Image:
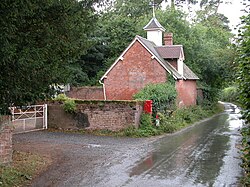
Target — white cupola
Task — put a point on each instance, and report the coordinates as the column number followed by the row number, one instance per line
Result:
column 155, row 31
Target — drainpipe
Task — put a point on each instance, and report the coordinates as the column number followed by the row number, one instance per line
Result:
column 104, row 91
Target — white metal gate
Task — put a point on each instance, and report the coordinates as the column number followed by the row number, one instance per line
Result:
column 29, row 118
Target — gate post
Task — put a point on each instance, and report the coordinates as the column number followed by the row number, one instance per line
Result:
column 45, row 110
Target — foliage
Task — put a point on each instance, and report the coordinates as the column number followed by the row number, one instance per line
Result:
column 167, row 125
column 132, row 9
column 163, row 96
column 207, row 47
column 179, row 119
column 117, row 32
column 146, row 120
column 54, row 42
column 170, row 123
column 39, row 42
column 244, row 67
column 245, row 154
column 244, row 91
column 87, row 69
column 61, row 98
column 69, row 106
column 229, row 94
column 146, row 128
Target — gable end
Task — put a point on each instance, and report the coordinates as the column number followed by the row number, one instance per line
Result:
column 137, row 38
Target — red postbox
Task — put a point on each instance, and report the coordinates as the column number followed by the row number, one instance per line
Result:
column 148, row 106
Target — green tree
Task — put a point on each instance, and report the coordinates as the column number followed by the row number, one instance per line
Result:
column 115, row 29
column 206, row 42
column 244, row 66
column 38, row 43
column 207, row 47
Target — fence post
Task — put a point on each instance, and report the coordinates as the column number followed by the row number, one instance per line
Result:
column 45, row 116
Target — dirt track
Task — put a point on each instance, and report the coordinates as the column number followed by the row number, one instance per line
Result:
column 82, row 160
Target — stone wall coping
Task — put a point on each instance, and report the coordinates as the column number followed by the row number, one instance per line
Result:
column 80, row 101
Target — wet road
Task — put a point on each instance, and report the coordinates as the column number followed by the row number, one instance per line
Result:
column 205, row 154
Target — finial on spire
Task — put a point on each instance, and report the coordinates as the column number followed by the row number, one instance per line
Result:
column 153, row 4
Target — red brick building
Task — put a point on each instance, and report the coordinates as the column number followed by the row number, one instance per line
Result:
column 147, row 61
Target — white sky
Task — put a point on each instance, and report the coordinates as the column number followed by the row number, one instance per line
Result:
column 232, row 11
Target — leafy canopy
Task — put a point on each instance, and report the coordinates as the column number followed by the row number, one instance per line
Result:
column 244, row 66
column 38, row 43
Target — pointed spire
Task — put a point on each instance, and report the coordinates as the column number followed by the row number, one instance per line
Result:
column 154, row 31
column 154, row 25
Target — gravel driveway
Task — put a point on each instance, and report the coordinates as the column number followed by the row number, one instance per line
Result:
column 83, row 160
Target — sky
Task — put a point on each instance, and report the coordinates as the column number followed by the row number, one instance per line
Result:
column 232, row 11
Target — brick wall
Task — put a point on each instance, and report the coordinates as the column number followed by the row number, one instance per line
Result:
column 131, row 74
column 187, row 92
column 5, row 142
column 111, row 115
column 86, row 93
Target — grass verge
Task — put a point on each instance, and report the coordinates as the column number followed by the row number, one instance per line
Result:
column 173, row 122
column 23, row 169
column 169, row 123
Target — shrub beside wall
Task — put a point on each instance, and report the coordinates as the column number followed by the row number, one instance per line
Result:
column 93, row 115
column 163, row 96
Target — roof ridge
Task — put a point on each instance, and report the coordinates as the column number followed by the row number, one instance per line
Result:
column 140, row 37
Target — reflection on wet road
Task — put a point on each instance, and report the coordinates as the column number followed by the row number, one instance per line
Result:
column 204, row 155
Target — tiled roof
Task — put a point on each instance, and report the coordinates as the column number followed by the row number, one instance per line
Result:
column 188, row 74
column 152, row 47
column 166, row 52
column 170, row 51
column 154, row 24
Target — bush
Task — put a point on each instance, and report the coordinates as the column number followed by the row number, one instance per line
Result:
column 167, row 125
column 180, row 118
column 69, row 106
column 245, row 152
column 230, row 94
column 163, row 96
column 147, row 127
column 61, row 98
column 146, row 120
